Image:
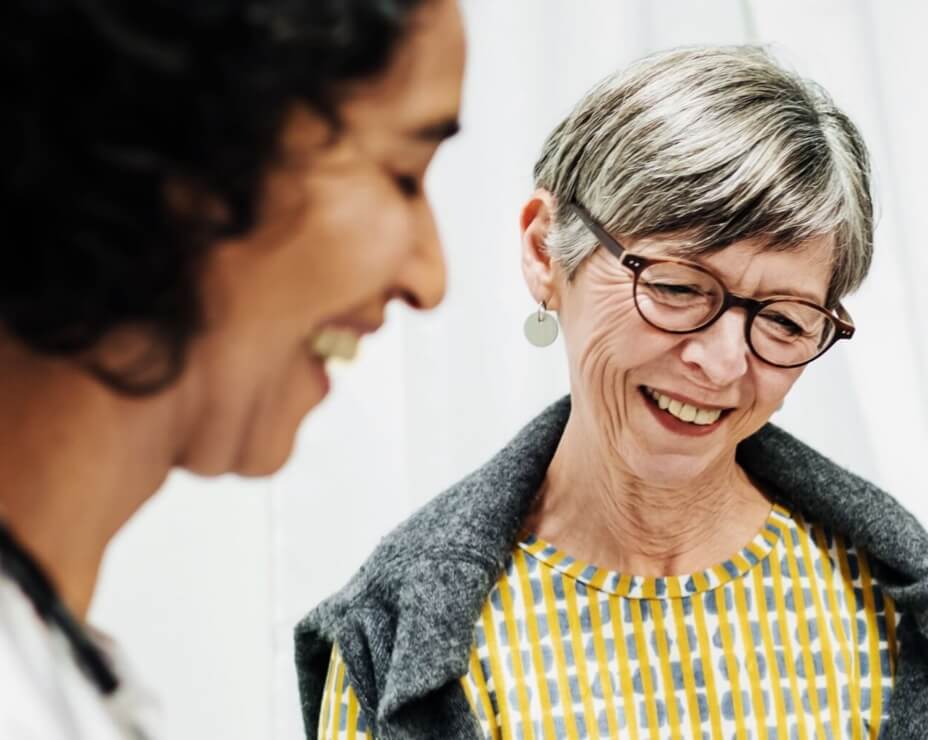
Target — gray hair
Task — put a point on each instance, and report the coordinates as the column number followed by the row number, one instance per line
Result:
column 717, row 145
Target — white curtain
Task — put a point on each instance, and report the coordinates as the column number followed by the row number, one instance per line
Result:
column 210, row 615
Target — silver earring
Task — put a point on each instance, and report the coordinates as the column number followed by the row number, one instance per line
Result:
column 541, row 327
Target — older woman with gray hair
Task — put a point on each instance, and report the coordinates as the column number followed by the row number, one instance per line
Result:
column 650, row 558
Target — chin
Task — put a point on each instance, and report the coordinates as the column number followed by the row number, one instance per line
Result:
column 265, row 457
column 254, row 454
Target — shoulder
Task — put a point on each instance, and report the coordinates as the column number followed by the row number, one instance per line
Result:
column 46, row 696
column 810, row 483
column 472, row 523
column 33, row 703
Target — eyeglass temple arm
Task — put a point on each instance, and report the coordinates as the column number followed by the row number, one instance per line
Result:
column 605, row 238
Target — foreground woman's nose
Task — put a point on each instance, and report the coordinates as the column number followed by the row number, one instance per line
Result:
column 721, row 351
column 422, row 280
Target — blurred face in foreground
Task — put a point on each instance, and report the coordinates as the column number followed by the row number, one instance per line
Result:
column 345, row 228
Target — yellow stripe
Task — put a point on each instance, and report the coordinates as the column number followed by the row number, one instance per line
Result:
column 536, row 548
column 557, row 643
column 574, row 569
column 846, row 649
column 351, row 725
column 702, row 583
column 770, row 537
column 657, row 609
column 621, row 656
column 686, row 665
column 891, row 632
column 830, row 678
column 583, row 679
column 776, row 690
column 599, row 579
column 327, row 694
column 800, row 604
column 476, row 673
column 851, row 599
column 531, row 624
column 469, row 695
column 602, row 660
column 337, row 698
column 708, row 665
column 786, row 638
column 496, row 670
column 729, row 651
column 873, row 641
column 750, row 651
column 644, row 667
column 625, row 583
column 515, row 655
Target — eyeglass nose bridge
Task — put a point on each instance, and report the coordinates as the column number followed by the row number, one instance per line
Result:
column 751, row 307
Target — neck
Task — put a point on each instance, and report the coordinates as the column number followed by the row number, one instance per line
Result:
column 76, row 461
column 594, row 508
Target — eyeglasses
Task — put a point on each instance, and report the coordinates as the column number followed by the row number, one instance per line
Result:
column 681, row 298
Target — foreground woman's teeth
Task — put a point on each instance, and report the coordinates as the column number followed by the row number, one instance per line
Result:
column 685, row 411
column 336, row 344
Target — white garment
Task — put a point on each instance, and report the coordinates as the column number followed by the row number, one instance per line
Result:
column 43, row 693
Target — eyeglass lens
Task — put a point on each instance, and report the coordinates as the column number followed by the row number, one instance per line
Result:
column 679, row 298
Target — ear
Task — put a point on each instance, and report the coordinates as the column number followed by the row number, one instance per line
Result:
column 538, row 268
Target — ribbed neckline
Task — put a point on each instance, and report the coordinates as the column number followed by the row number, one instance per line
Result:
column 647, row 587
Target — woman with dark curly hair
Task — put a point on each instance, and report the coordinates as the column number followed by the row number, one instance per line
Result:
column 202, row 203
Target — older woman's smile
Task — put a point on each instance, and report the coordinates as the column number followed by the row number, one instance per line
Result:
column 682, row 415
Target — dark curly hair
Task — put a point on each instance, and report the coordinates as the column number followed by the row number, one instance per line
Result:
column 105, row 103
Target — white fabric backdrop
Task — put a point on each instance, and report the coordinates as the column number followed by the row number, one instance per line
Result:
column 206, row 584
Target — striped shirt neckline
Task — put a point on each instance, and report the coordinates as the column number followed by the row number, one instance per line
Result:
column 662, row 587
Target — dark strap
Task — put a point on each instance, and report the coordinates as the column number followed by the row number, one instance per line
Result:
column 16, row 563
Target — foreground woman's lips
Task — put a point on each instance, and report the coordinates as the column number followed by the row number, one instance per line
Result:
column 684, row 411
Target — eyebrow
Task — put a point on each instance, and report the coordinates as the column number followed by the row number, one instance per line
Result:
column 437, row 131
column 681, row 254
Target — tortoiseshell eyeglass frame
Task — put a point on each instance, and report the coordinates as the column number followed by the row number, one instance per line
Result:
column 841, row 320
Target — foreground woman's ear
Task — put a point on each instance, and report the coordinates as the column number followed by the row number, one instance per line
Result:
column 536, row 221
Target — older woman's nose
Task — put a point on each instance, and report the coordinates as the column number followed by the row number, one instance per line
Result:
column 422, row 279
column 720, row 352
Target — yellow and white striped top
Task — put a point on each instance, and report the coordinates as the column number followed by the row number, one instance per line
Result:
column 790, row 638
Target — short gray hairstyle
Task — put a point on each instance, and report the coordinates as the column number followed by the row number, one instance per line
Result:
column 716, row 144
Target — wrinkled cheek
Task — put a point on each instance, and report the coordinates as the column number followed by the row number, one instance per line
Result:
column 600, row 378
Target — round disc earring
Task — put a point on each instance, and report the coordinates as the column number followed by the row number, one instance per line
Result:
column 541, row 327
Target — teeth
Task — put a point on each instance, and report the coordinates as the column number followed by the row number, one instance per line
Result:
column 336, row 344
column 685, row 411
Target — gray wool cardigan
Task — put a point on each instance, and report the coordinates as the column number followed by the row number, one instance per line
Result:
column 405, row 622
